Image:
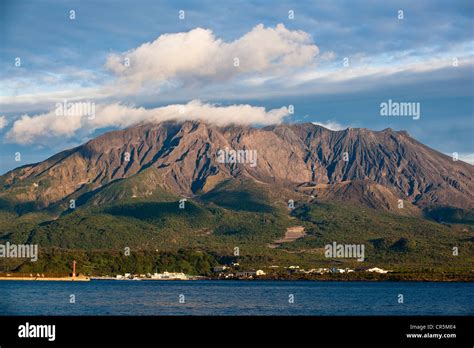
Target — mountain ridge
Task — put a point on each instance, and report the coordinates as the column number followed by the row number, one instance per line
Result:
column 183, row 158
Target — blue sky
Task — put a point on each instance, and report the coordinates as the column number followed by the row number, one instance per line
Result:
column 283, row 61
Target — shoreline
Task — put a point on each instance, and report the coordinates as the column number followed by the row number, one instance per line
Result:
column 47, row 279
column 90, row 279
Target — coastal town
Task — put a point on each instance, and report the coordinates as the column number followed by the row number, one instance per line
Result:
column 232, row 272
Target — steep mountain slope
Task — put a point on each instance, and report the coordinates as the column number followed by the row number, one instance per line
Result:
column 375, row 168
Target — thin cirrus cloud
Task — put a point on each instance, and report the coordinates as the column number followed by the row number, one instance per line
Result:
column 198, row 56
column 3, row 122
column 43, row 128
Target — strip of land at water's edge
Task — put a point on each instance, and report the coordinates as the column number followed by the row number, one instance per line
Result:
column 83, row 266
column 423, row 277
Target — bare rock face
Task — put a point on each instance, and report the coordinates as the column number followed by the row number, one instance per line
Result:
column 374, row 168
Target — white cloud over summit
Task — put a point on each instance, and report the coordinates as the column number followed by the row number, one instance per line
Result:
column 331, row 125
column 42, row 128
column 466, row 157
column 198, row 56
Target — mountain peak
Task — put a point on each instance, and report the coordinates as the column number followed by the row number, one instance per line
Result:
column 184, row 159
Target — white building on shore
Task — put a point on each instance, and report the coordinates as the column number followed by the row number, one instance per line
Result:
column 377, row 270
column 169, row 276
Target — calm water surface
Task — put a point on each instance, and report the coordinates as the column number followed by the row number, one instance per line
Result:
column 104, row 297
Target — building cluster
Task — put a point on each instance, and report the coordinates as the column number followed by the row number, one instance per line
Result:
column 228, row 272
column 336, row 270
column 232, row 271
column 155, row 276
column 297, row 269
